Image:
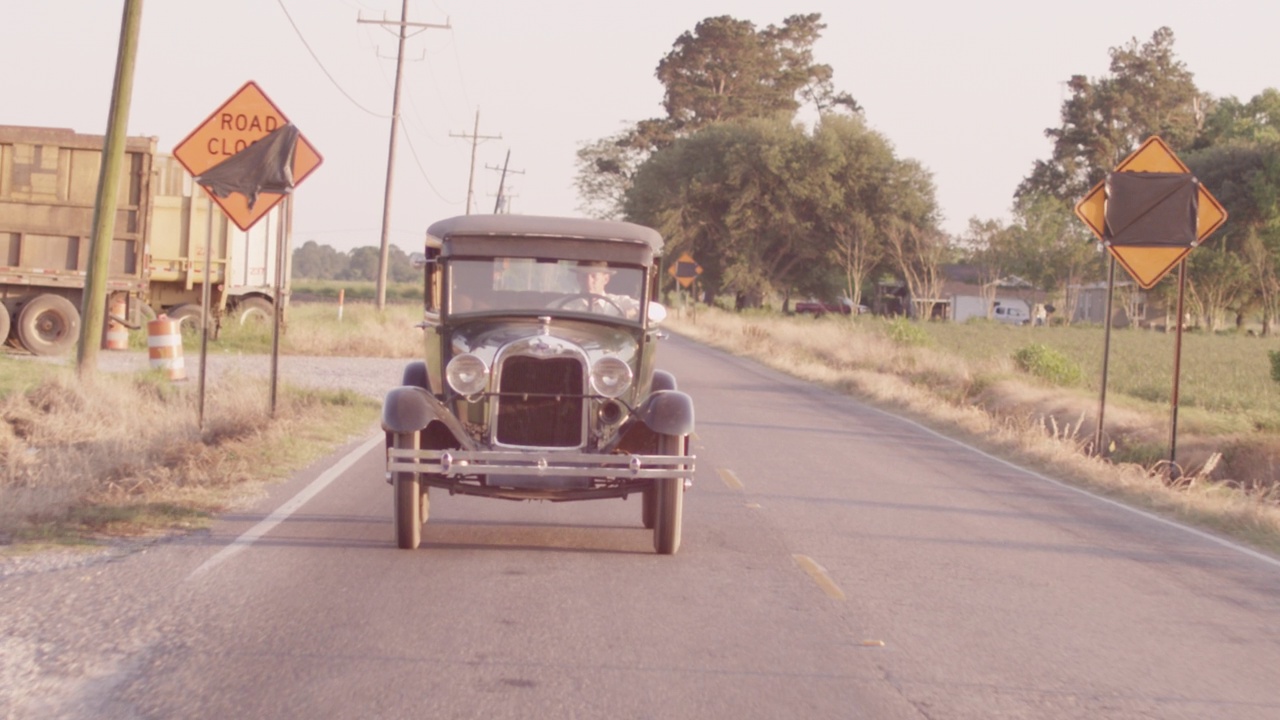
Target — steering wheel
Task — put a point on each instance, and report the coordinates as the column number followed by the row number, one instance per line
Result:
column 588, row 300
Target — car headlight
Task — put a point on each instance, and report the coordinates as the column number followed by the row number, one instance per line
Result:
column 467, row 374
column 610, row 377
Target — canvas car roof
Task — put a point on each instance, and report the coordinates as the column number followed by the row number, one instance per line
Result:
column 546, row 236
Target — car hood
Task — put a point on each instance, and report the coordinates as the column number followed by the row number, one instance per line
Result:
column 485, row 338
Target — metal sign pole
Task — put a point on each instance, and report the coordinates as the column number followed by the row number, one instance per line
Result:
column 285, row 208
column 1106, row 358
column 204, row 305
column 1177, row 374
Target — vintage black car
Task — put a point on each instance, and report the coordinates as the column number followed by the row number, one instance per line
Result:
column 538, row 380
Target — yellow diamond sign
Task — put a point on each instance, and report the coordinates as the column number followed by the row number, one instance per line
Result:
column 1147, row 264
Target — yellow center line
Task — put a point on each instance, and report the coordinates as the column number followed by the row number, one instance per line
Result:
column 820, row 576
column 729, row 478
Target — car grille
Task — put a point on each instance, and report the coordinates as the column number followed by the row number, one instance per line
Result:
column 540, row 402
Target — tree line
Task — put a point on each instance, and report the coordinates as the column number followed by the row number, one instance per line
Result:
column 773, row 207
column 322, row 262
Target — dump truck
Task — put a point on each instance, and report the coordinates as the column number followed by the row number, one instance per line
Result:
column 48, row 188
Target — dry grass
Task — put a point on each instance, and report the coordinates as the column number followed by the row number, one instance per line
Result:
column 125, row 455
column 1226, row 482
column 315, row 328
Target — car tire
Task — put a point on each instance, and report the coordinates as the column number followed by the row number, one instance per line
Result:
column 648, row 507
column 669, row 501
column 48, row 325
column 409, row 500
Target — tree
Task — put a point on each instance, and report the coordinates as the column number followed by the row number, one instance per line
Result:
column 606, row 168
column 1243, row 172
column 724, row 70
column 727, row 70
column 320, row 262
column 764, row 205
column 1050, row 248
column 991, row 251
column 919, row 254
column 1149, row 92
column 862, row 187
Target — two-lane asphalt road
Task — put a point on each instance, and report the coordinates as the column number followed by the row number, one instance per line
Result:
column 837, row 562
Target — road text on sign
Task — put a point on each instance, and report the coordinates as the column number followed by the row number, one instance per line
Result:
column 1147, row 265
column 248, row 116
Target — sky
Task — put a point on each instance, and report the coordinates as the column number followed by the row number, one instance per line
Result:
column 965, row 88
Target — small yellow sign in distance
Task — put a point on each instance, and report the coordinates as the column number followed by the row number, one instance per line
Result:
column 1147, row 265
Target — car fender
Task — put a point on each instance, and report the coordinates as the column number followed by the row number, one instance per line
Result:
column 408, row 409
column 668, row 412
column 663, row 380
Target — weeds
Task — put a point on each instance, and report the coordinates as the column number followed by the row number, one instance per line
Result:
column 1048, row 364
column 126, row 455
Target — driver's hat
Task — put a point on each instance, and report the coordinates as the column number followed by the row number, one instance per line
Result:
column 592, row 266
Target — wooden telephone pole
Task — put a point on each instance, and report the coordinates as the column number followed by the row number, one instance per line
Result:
column 94, row 303
column 475, row 137
column 403, row 25
column 498, row 205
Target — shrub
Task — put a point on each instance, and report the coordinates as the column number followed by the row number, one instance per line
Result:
column 904, row 332
column 1046, row 363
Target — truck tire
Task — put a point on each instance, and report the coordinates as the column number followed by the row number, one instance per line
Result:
column 188, row 318
column 48, row 325
column 254, row 311
column 5, row 323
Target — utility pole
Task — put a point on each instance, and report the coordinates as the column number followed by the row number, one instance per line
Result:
column 403, row 24
column 475, row 137
column 497, row 205
column 93, row 305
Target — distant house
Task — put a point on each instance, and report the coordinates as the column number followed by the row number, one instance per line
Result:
column 961, row 296
column 1130, row 305
column 1009, row 299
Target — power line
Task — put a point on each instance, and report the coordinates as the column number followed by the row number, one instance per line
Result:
column 315, row 57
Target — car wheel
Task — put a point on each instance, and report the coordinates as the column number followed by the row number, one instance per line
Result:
column 669, row 501
column 409, row 500
column 48, row 325
column 648, row 507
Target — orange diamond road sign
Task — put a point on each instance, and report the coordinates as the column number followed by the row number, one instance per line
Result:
column 1147, row 265
column 244, row 119
column 685, row 270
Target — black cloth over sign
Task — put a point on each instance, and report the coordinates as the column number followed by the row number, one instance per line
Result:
column 264, row 166
column 1152, row 209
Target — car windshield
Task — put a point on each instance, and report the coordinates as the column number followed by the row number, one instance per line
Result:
column 500, row 284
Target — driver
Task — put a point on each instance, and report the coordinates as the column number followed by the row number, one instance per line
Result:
column 593, row 277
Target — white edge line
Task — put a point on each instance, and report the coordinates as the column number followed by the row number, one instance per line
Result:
column 283, row 512
column 1114, row 503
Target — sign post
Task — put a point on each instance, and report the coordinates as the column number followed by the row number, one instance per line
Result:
column 219, row 148
column 1149, row 213
column 686, row 271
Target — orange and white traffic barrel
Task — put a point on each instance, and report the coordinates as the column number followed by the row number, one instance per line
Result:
column 117, row 337
column 164, row 344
